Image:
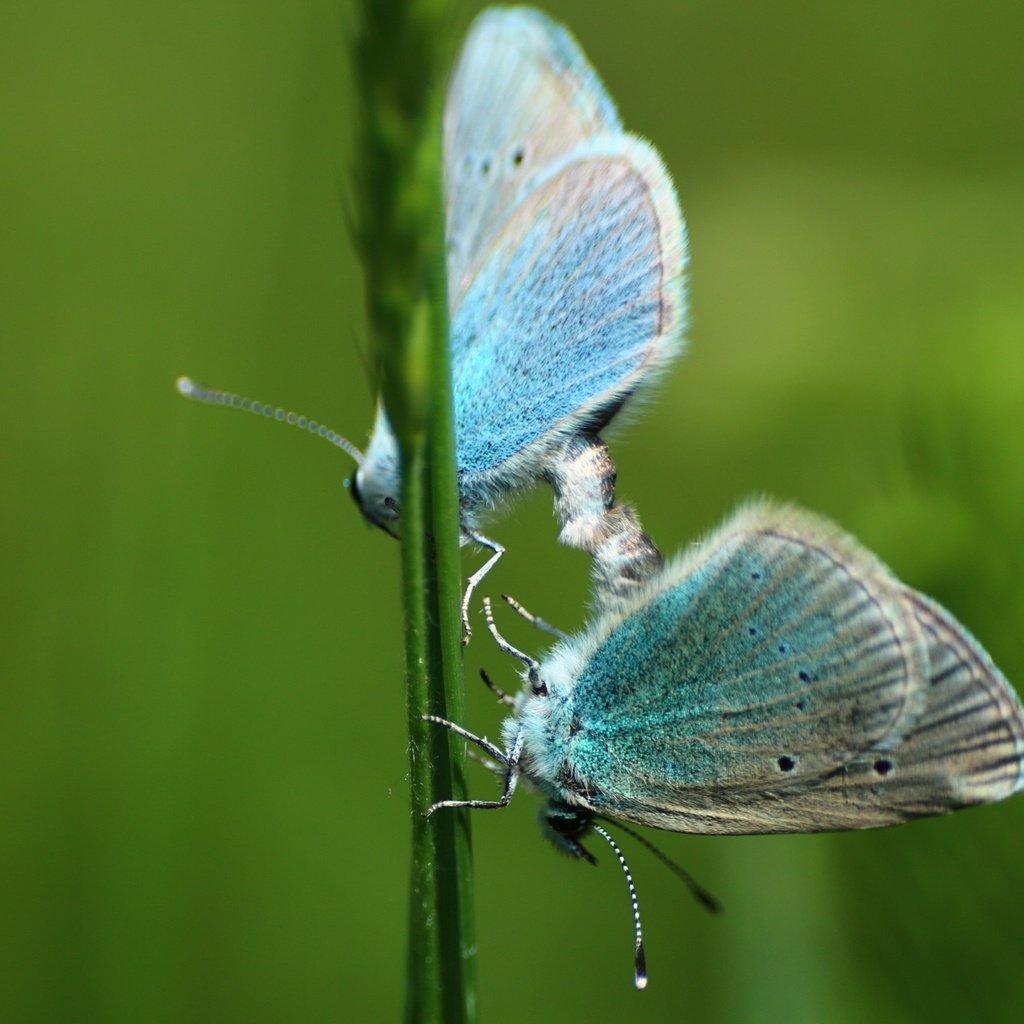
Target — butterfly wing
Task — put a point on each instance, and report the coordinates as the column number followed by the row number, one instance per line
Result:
column 521, row 98
column 965, row 747
column 565, row 251
column 780, row 679
column 577, row 301
column 972, row 720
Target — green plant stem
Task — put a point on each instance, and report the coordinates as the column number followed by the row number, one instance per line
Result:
column 401, row 61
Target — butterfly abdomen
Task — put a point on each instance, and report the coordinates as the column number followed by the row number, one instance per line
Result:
column 582, row 475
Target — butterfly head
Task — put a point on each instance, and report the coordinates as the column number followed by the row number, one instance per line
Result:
column 375, row 484
column 565, row 826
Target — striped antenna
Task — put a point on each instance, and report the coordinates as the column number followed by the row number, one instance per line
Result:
column 188, row 388
column 639, row 960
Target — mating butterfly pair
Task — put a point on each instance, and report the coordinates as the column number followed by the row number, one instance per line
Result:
column 777, row 677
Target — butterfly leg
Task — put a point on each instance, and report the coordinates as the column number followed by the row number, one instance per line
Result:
column 534, row 620
column 491, row 766
column 503, row 645
column 477, row 578
column 504, row 698
column 492, row 749
column 509, row 759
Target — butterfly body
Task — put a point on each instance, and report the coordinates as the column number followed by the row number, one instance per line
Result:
column 777, row 678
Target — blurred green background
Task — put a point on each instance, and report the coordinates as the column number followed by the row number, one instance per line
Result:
column 203, row 805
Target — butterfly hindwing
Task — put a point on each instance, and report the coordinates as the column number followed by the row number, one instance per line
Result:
column 967, row 746
column 576, row 301
column 964, row 747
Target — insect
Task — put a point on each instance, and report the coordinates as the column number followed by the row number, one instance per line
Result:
column 566, row 256
column 775, row 678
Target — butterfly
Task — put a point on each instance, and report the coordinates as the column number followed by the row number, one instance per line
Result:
column 566, row 253
column 775, row 678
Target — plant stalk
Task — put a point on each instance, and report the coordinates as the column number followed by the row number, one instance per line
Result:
column 401, row 59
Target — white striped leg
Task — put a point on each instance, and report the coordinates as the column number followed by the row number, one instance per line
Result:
column 510, row 759
column 477, row 578
column 533, row 620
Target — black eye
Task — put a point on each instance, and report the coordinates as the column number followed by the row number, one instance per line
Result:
column 537, row 685
column 566, row 821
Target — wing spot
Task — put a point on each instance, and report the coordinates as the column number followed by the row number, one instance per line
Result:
column 752, row 630
column 804, row 677
column 783, row 648
column 883, row 766
column 755, row 575
column 517, row 157
column 801, row 705
column 485, row 166
column 786, row 763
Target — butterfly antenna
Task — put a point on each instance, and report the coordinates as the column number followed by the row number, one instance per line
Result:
column 639, row 960
column 189, row 388
column 698, row 891
column 502, row 643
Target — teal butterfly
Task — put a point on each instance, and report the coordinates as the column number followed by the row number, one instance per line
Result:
column 775, row 678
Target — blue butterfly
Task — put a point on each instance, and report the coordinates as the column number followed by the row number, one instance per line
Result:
column 775, row 678
column 566, row 255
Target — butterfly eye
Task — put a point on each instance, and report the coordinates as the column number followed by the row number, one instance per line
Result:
column 537, row 685
column 566, row 821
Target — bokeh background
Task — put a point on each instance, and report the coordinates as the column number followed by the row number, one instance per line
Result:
column 203, row 802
